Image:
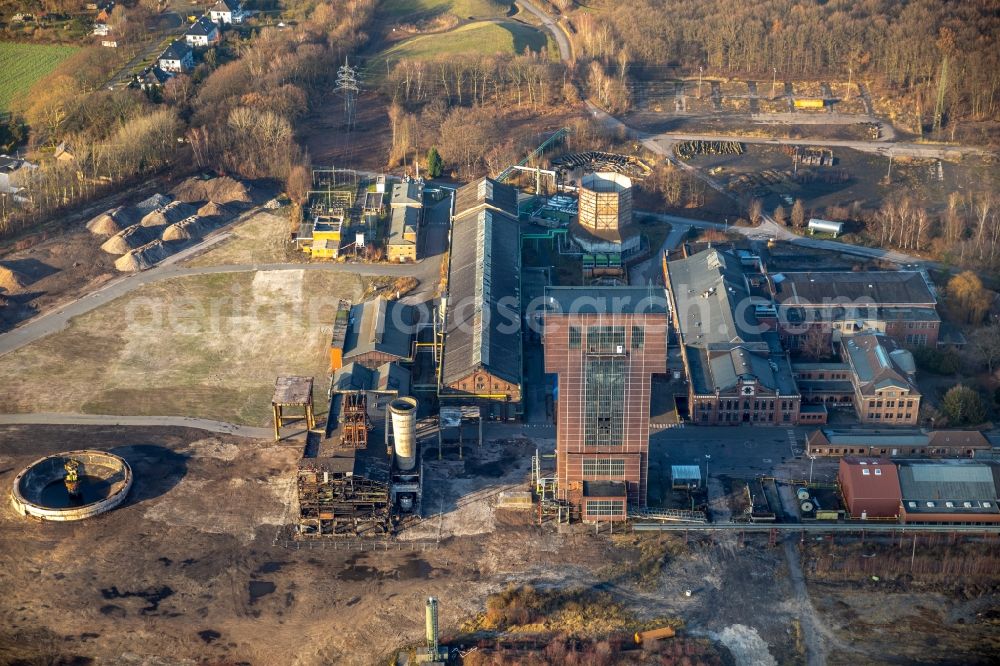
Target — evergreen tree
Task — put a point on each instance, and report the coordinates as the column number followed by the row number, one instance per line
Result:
column 435, row 165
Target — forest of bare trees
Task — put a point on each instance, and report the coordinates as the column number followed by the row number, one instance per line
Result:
column 531, row 80
column 966, row 233
column 942, row 56
column 236, row 113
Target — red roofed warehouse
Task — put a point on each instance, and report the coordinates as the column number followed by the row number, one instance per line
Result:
column 870, row 487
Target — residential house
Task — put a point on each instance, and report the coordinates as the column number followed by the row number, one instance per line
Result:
column 14, row 171
column 202, row 33
column 226, row 12
column 177, row 58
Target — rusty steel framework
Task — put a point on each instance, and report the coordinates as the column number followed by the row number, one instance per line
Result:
column 341, row 506
column 355, row 424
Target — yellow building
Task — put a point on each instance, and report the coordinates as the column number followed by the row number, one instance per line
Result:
column 322, row 238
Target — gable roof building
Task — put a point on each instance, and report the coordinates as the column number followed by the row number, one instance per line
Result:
column 896, row 442
column 901, row 304
column 870, row 487
column 882, row 374
column 202, row 32
column 735, row 364
column 482, row 336
column 379, row 331
column 177, row 57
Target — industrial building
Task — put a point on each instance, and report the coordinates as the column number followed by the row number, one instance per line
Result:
column 481, row 361
column 604, row 220
column 405, row 212
column 372, row 333
column 900, row 304
column 870, row 487
column 949, row 491
column 404, row 232
column 897, row 443
column 882, row 376
column 736, row 367
column 604, row 345
column 351, row 484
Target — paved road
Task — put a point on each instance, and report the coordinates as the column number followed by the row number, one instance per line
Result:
column 173, row 24
column 565, row 49
column 52, row 418
column 57, row 319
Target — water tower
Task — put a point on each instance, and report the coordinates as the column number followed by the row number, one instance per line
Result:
column 605, row 202
column 604, row 221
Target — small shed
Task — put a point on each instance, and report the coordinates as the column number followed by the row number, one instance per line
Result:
column 685, row 477
column 825, row 226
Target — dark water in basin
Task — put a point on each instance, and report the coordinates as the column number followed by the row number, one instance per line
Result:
column 91, row 489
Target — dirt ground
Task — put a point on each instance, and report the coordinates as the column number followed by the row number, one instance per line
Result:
column 191, row 570
column 864, row 175
column 58, row 271
column 261, row 238
column 208, row 346
column 366, row 147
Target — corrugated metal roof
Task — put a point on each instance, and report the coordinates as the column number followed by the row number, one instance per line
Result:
column 484, row 314
column 876, row 287
column 685, row 472
column 379, row 325
column 952, row 480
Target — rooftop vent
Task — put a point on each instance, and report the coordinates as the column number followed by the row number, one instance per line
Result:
column 967, row 505
column 950, row 505
column 912, row 505
column 930, row 505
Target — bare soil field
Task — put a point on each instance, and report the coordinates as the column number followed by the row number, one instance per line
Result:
column 799, row 126
column 57, row 271
column 854, row 177
column 195, row 568
column 207, row 346
column 260, row 239
column 64, row 261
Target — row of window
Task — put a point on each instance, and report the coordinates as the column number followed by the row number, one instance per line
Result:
column 606, row 338
column 605, row 507
column 833, row 375
column 603, row 467
column 735, row 404
column 604, row 401
column 735, row 417
column 890, row 403
column 916, row 339
column 889, row 417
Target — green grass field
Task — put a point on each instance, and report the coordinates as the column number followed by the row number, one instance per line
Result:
column 418, row 9
column 23, row 64
column 484, row 37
